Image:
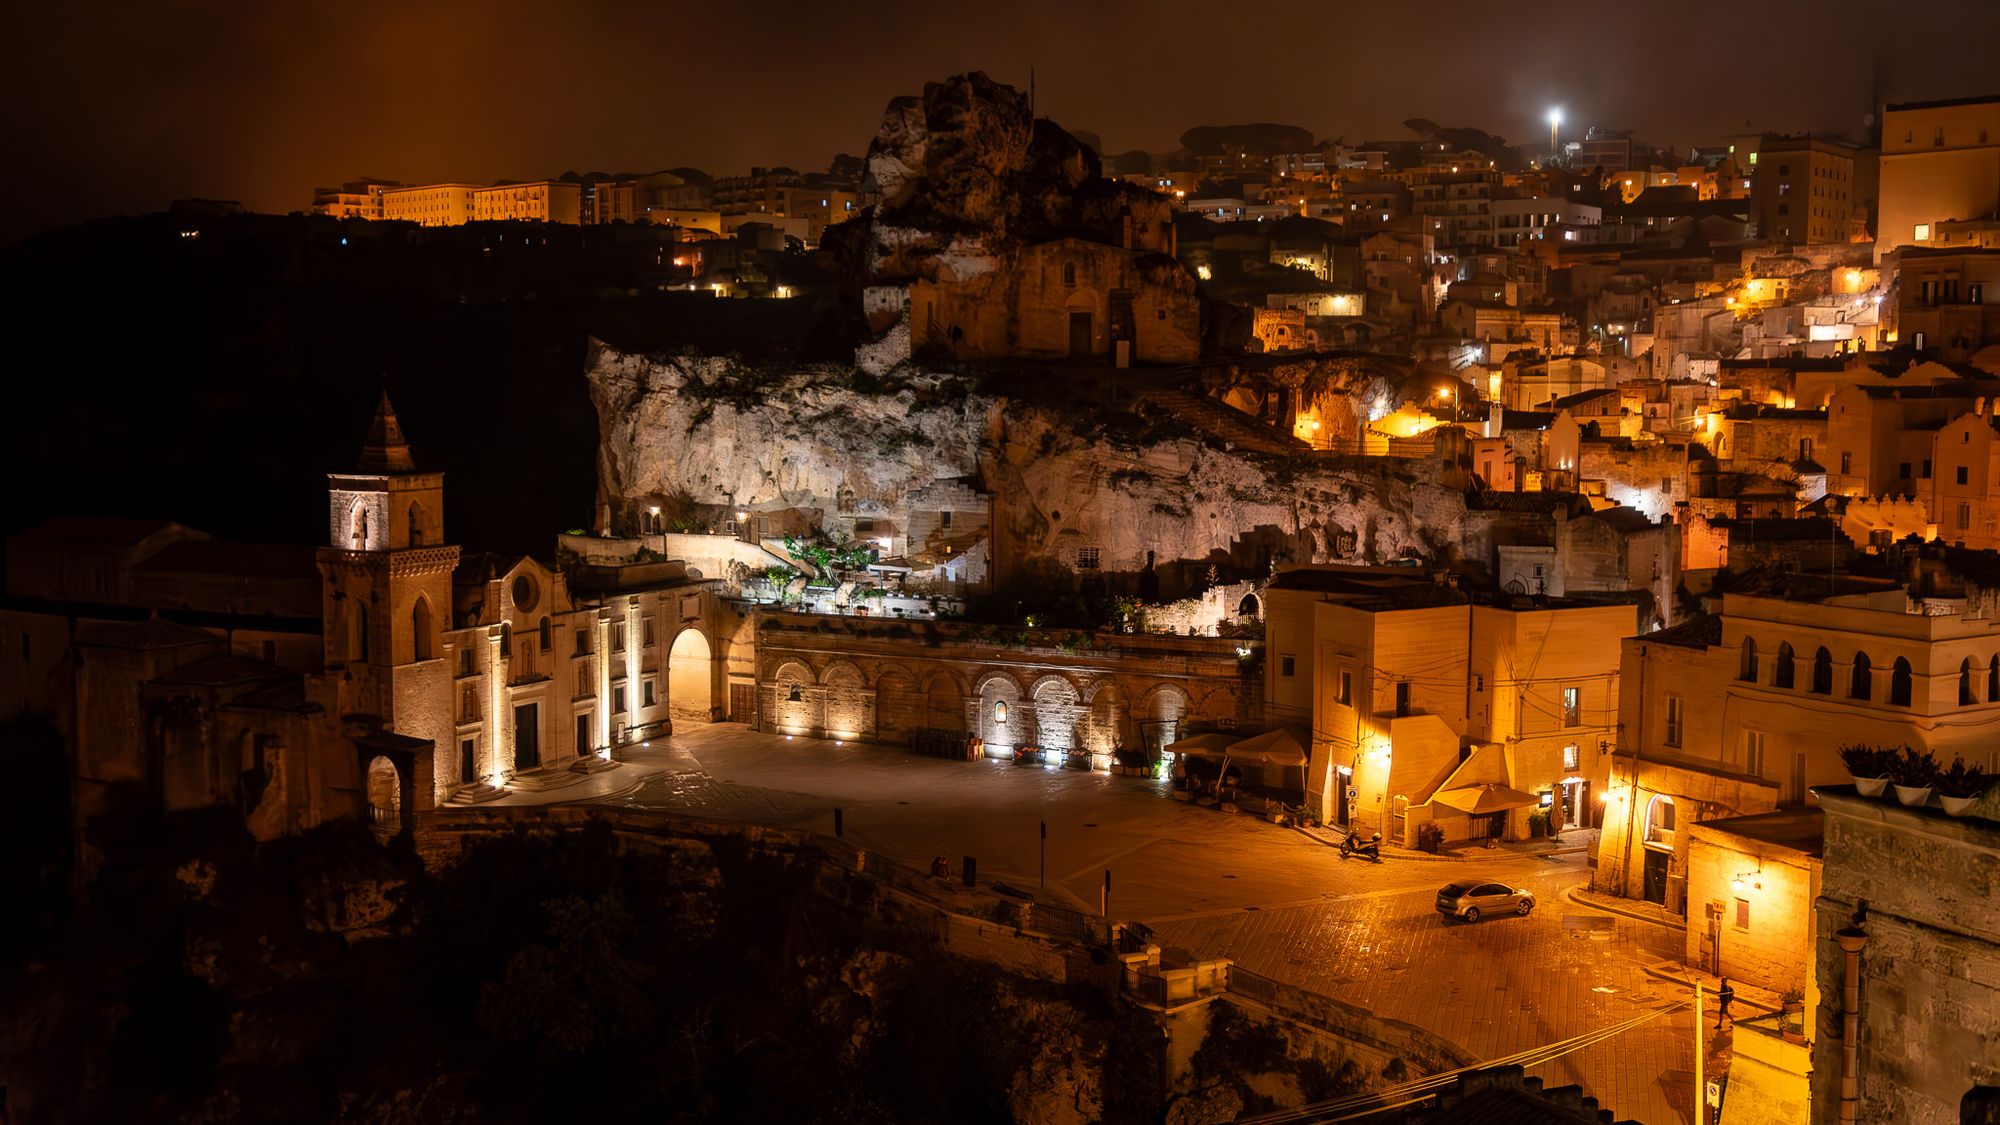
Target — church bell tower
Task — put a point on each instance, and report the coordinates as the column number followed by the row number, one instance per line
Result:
column 386, row 589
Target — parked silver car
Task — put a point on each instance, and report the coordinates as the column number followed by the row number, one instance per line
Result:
column 1471, row 898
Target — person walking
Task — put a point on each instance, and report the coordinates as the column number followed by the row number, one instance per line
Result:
column 1723, row 996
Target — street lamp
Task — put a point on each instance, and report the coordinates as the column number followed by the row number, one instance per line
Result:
column 1555, row 123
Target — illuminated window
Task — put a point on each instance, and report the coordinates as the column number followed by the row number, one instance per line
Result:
column 1000, row 711
column 1921, row 232
column 1572, row 758
column 1674, row 717
column 1572, row 706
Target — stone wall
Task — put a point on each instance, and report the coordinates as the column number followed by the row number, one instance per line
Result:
column 885, row 680
column 1921, row 886
column 1762, row 900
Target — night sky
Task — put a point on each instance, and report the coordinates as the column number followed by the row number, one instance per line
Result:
column 121, row 107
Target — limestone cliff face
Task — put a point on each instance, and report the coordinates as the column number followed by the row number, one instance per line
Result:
column 1066, row 478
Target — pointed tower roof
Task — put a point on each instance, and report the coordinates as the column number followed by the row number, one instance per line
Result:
column 386, row 451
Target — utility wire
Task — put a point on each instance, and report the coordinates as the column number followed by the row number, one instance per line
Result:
column 1421, row 1089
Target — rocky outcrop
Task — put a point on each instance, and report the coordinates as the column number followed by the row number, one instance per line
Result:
column 967, row 175
column 1132, row 483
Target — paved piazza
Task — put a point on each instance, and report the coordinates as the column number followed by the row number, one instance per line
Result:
column 1275, row 900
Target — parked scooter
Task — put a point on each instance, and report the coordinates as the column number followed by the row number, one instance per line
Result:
column 1354, row 845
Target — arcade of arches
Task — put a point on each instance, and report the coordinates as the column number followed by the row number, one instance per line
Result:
column 1056, row 708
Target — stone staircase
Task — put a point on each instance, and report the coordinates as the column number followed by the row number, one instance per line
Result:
column 1223, row 421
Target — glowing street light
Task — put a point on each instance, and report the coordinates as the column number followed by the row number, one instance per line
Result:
column 1555, row 119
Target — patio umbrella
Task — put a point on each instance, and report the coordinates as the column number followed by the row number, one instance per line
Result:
column 1278, row 747
column 1478, row 800
column 1211, row 745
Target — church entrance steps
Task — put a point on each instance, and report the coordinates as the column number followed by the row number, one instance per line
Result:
column 543, row 780
column 591, row 763
column 475, row 794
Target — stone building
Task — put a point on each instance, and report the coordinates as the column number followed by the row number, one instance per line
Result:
column 374, row 677
column 1905, row 956
column 879, row 680
column 1422, row 699
column 998, row 236
column 1744, row 711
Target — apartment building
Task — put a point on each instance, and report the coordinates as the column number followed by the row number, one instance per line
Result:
column 1428, row 708
column 1744, row 711
column 539, row 201
column 431, row 205
column 1940, row 162
column 1804, row 190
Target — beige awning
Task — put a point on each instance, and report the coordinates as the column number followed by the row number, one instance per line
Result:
column 1277, row 747
column 1477, row 800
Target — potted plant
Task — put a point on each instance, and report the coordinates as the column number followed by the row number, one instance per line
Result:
column 1429, row 836
column 1960, row 787
column 1911, row 775
column 1869, row 766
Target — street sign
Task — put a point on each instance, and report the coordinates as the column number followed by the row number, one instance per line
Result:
column 1353, row 792
column 1714, row 1095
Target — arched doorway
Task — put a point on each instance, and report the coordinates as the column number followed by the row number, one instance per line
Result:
column 849, row 710
column 898, row 707
column 1107, row 720
column 690, row 672
column 1002, row 722
column 944, row 704
column 793, row 698
column 385, row 795
column 1055, row 714
column 1160, row 715
column 1659, row 846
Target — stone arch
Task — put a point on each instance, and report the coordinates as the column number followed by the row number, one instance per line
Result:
column 1056, row 712
column 998, row 716
column 1660, row 820
column 1861, row 684
column 1248, row 607
column 1822, row 672
column 944, row 702
column 1747, row 671
column 899, row 706
column 794, row 699
column 423, row 629
column 385, row 793
column 1900, row 680
column 1781, row 674
column 1966, row 696
column 1216, row 703
column 1105, row 721
column 1160, row 714
column 850, row 706
column 360, row 536
column 691, row 677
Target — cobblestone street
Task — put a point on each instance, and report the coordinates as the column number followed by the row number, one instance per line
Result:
column 1275, row 901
